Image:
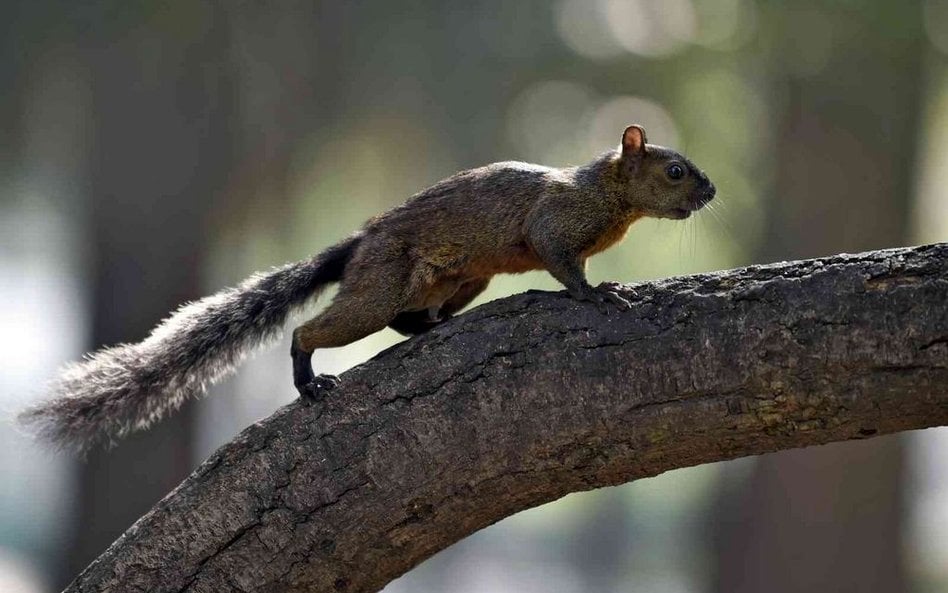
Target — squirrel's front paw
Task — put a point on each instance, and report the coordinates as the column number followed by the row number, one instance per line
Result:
column 316, row 389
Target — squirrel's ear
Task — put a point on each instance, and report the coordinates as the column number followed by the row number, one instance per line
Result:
column 633, row 147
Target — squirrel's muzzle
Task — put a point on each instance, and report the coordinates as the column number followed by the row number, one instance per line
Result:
column 703, row 194
column 706, row 195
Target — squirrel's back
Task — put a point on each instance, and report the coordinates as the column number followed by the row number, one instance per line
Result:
column 479, row 210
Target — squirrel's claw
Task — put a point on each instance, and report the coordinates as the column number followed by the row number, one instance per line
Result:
column 606, row 297
column 614, row 298
column 616, row 294
column 316, row 389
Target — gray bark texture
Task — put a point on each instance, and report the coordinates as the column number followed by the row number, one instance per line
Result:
column 528, row 398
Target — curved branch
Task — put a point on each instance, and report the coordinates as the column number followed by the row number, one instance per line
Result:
column 529, row 398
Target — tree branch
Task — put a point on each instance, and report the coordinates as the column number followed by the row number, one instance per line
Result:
column 529, row 398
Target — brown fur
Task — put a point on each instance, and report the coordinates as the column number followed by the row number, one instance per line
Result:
column 503, row 218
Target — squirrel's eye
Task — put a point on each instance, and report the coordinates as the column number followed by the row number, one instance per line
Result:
column 675, row 171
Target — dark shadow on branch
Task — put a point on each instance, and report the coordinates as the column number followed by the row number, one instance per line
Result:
column 529, row 398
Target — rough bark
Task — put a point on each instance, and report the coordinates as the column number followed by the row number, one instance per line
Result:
column 526, row 399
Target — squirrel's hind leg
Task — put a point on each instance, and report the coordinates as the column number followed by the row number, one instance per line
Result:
column 310, row 386
column 364, row 305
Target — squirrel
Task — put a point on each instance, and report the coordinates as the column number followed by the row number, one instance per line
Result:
column 410, row 269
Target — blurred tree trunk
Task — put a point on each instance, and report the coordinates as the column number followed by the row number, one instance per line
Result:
column 601, row 545
column 161, row 150
column 830, row 519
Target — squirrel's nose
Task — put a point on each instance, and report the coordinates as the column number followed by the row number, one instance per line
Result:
column 705, row 195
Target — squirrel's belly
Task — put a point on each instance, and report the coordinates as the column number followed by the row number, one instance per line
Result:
column 440, row 277
column 514, row 260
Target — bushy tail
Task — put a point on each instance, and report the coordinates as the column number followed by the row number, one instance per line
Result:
column 128, row 387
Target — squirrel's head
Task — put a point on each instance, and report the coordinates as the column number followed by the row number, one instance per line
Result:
column 659, row 181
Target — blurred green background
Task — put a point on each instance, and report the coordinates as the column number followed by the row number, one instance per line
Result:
column 154, row 152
